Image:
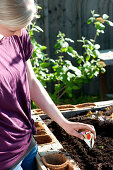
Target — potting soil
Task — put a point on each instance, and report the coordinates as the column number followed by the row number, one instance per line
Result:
column 100, row 157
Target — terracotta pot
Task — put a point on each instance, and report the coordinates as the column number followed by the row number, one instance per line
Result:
column 56, row 161
column 43, row 139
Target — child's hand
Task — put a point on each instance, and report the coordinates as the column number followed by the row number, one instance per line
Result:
column 74, row 129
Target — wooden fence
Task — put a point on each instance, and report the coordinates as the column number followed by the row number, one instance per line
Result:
column 70, row 17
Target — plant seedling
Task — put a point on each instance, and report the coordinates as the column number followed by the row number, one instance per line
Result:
column 101, row 147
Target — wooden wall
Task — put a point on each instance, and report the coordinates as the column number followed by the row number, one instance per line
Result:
column 70, row 17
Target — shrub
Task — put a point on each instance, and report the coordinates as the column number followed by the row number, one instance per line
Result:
column 65, row 76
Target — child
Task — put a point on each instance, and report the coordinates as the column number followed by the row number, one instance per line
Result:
column 18, row 85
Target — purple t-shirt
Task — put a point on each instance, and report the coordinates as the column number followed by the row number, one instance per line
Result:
column 16, row 124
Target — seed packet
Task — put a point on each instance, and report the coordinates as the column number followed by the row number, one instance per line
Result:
column 88, row 138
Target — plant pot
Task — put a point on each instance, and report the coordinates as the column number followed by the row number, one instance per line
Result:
column 37, row 111
column 41, row 132
column 43, row 139
column 39, row 126
column 56, row 161
column 66, row 107
column 60, row 107
column 85, row 105
column 70, row 167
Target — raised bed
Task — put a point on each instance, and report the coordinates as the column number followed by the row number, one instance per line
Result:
column 72, row 110
column 98, row 158
column 49, row 147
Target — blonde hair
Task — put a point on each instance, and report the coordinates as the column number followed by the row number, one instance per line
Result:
column 15, row 13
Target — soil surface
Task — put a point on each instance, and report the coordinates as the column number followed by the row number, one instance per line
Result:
column 98, row 158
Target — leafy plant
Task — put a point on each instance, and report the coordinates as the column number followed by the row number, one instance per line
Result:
column 68, row 77
column 39, row 60
column 65, row 76
column 101, row 147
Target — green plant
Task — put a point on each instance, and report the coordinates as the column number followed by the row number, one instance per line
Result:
column 65, row 76
column 101, row 147
column 39, row 60
column 68, row 77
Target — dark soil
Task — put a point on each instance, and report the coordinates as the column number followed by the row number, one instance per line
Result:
column 98, row 158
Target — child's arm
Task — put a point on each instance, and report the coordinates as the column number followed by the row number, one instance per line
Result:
column 42, row 99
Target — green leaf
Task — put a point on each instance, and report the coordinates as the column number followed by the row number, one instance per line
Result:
column 96, row 53
column 92, row 40
column 99, row 25
column 96, row 15
column 96, row 73
column 57, row 45
column 45, row 64
column 97, row 46
column 90, row 20
column 109, row 23
column 55, row 67
column 38, row 28
column 80, row 41
column 71, row 54
column 43, row 47
column 38, row 7
column 87, row 58
column 101, row 147
column 79, row 61
column 70, row 75
column 70, row 40
column 64, row 44
column 88, row 42
column 92, row 12
column 105, row 16
column 70, row 49
column 103, row 70
column 76, row 70
column 64, row 49
column 101, row 31
column 85, row 136
column 85, row 46
column 70, row 94
column 75, row 87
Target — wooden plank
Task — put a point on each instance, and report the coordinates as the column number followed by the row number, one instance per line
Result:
column 107, row 56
